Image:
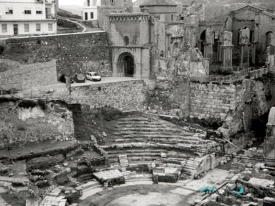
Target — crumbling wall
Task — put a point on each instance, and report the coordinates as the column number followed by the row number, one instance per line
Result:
column 236, row 109
column 24, row 121
column 75, row 53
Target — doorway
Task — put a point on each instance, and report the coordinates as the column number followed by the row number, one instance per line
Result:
column 15, row 29
column 126, row 65
column 86, row 16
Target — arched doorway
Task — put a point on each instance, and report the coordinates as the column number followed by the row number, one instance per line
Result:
column 126, row 64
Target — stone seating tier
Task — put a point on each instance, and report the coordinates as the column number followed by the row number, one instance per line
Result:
column 143, row 140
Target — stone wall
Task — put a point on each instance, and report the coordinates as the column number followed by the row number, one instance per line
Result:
column 195, row 100
column 127, row 95
column 27, row 76
column 24, row 121
column 133, row 26
column 75, row 53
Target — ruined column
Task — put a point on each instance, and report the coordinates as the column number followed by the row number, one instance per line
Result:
column 241, row 64
column 219, row 55
column 227, row 51
column 208, row 48
column 254, row 46
column 245, row 38
column 271, row 54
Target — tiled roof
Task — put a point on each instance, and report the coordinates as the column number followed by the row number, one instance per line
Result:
column 158, row 3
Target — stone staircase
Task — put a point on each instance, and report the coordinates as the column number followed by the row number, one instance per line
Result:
column 191, row 166
column 143, row 139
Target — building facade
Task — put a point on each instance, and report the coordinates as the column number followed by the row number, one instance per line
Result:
column 89, row 11
column 98, row 10
column 27, row 17
column 257, row 21
column 142, row 41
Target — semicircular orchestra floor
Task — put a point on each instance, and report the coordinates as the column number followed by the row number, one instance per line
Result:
column 137, row 195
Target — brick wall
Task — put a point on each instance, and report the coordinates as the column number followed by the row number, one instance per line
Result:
column 75, row 53
column 128, row 95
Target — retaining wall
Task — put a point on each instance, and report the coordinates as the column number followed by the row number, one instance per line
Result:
column 75, row 53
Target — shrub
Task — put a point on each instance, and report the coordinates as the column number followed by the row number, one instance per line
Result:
column 2, row 48
column 64, row 23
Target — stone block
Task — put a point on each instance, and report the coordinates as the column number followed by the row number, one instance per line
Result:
column 269, row 200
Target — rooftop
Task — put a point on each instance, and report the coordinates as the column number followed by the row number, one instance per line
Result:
column 158, row 3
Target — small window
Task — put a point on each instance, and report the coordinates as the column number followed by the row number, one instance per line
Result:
column 172, row 18
column 27, row 11
column 126, row 40
column 88, row 2
column 9, row 10
column 50, row 27
column 4, row 28
column 39, row 11
column 92, row 15
column 26, row 27
column 38, row 27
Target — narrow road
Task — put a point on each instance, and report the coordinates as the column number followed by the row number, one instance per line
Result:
column 75, row 22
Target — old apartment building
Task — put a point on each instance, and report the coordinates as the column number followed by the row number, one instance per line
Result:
column 27, row 17
column 100, row 9
column 89, row 11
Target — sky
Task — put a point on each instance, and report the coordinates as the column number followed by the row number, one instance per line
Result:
column 73, row 2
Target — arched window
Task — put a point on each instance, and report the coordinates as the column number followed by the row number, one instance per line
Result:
column 268, row 38
column 126, row 40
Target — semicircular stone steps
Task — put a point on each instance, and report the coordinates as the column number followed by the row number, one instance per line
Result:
column 143, row 139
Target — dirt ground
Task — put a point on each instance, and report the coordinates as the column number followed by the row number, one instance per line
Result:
column 150, row 199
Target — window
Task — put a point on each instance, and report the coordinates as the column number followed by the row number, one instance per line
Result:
column 126, row 40
column 48, row 13
column 4, row 28
column 26, row 27
column 50, row 27
column 27, row 11
column 39, row 11
column 172, row 18
column 92, row 15
column 38, row 27
column 88, row 2
column 9, row 10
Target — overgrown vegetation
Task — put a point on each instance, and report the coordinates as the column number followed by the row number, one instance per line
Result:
column 269, row 77
column 68, row 14
column 67, row 24
column 2, row 48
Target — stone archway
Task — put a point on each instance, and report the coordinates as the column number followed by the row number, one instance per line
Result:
column 126, row 64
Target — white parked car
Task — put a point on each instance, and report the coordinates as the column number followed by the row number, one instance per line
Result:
column 93, row 76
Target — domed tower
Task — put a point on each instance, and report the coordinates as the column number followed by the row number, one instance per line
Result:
column 164, row 10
